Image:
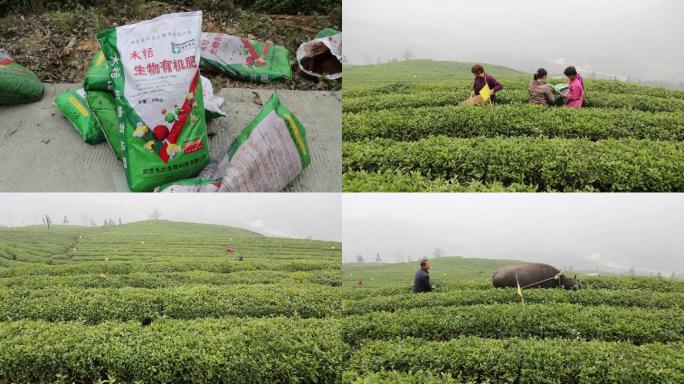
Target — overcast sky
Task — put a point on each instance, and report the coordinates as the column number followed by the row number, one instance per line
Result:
column 608, row 231
column 282, row 214
column 637, row 38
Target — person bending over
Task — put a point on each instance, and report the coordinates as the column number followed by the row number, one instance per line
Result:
column 482, row 78
column 540, row 91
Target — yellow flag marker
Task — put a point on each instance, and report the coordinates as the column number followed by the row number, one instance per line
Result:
column 485, row 92
column 519, row 289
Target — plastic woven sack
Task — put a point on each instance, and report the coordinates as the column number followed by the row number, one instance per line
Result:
column 244, row 59
column 74, row 107
column 322, row 56
column 212, row 104
column 103, row 106
column 267, row 155
column 18, row 85
column 158, row 93
column 97, row 78
column 196, row 184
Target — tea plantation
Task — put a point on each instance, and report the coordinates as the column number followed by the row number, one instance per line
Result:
column 162, row 302
column 614, row 330
column 412, row 136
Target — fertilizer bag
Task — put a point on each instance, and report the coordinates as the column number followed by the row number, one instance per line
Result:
column 103, row 106
column 244, row 59
column 558, row 91
column 322, row 56
column 74, row 107
column 97, row 78
column 18, row 85
column 267, row 155
column 158, row 94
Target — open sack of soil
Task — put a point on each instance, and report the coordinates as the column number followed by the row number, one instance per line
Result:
column 244, row 59
column 322, row 56
column 270, row 152
column 154, row 69
column 18, row 85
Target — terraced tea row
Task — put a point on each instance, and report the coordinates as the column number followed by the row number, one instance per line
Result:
column 232, row 350
column 607, row 282
column 397, row 181
column 635, row 325
column 512, row 84
column 472, row 359
column 453, row 96
column 512, row 120
column 96, row 305
column 586, row 297
column 218, row 265
column 330, row 277
column 548, row 164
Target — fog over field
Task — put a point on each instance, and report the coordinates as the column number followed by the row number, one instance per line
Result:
column 623, row 38
column 584, row 231
column 296, row 215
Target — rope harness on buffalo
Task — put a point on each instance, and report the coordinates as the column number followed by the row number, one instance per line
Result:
column 557, row 276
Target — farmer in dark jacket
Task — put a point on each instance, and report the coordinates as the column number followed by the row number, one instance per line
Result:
column 481, row 78
column 421, row 282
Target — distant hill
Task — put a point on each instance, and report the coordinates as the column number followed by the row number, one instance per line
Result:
column 417, row 71
column 148, row 240
column 444, row 269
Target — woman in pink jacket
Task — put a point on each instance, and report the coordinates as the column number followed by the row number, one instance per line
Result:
column 575, row 95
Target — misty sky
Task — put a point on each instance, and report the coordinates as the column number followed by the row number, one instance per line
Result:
column 611, row 231
column 277, row 214
column 637, row 38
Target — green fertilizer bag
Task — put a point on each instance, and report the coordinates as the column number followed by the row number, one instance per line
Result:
column 97, row 78
column 103, row 106
column 74, row 107
column 18, row 85
column 267, row 155
column 244, row 59
column 158, row 93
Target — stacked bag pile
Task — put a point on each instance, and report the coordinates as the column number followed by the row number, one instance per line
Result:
column 144, row 95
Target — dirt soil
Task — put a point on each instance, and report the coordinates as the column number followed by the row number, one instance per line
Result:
column 58, row 46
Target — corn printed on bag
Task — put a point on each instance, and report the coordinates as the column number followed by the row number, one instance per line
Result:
column 267, row 155
column 74, row 107
column 154, row 67
column 244, row 59
column 18, row 85
column 97, row 78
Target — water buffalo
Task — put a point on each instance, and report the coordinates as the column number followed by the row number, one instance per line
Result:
column 533, row 275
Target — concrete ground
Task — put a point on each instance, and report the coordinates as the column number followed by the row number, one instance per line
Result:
column 41, row 152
